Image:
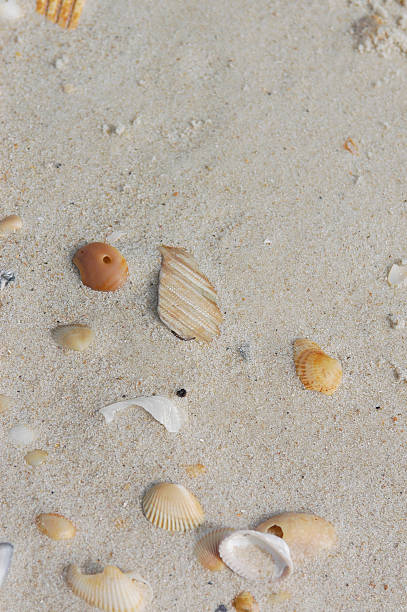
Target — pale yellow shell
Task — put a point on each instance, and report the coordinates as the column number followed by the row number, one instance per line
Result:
column 316, row 370
column 10, row 224
column 75, row 337
column 245, row 602
column 36, row 457
column 55, row 526
column 5, row 403
column 207, row 549
column 186, row 298
column 172, row 507
column 306, row 534
column 111, row 590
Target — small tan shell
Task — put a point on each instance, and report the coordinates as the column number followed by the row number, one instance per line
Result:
column 101, row 266
column 36, row 457
column 75, row 337
column 111, row 590
column 65, row 13
column 316, row 370
column 55, row 526
column 245, row 602
column 10, row 224
column 207, row 549
column 306, row 534
column 172, row 507
column 186, row 298
column 5, row 403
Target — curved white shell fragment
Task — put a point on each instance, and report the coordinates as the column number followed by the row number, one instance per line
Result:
column 266, row 558
column 22, row 434
column 161, row 409
column 186, row 298
column 207, row 549
column 397, row 275
column 6, row 553
column 111, row 590
column 172, row 507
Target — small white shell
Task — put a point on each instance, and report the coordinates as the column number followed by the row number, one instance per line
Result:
column 74, row 337
column 12, row 223
column 256, row 558
column 6, row 553
column 397, row 275
column 161, row 408
column 36, row 457
column 22, row 434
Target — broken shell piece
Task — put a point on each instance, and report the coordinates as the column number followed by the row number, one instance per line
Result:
column 207, row 549
column 256, row 556
column 36, row 457
column 5, row 403
column 245, row 602
column 75, row 337
column 161, row 409
column 6, row 277
column 172, row 507
column 101, row 266
column 111, row 590
column 10, row 224
column 397, row 275
column 306, row 534
column 65, row 13
column 186, row 298
column 22, row 434
column 55, row 526
column 316, row 370
column 6, row 553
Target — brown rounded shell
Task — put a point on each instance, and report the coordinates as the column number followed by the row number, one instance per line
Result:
column 101, row 266
column 245, row 602
column 55, row 526
column 207, row 549
column 316, row 370
column 306, row 534
column 172, row 507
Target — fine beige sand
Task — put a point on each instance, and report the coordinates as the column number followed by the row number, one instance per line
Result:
column 234, row 117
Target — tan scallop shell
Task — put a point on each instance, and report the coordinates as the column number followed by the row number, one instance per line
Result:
column 36, row 457
column 55, row 526
column 172, row 507
column 75, row 337
column 65, row 13
column 245, row 602
column 316, row 370
column 306, row 534
column 111, row 590
column 207, row 549
column 186, row 298
column 101, row 266
column 10, row 224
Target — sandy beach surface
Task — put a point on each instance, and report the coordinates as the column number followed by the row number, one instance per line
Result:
column 218, row 127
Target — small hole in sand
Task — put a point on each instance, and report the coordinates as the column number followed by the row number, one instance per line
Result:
column 107, row 259
column 275, row 530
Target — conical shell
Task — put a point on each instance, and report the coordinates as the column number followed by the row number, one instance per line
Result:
column 6, row 553
column 316, row 370
column 172, row 507
column 207, row 549
column 186, row 298
column 245, row 602
column 75, row 337
column 306, row 534
column 55, row 526
column 111, row 590
column 256, row 556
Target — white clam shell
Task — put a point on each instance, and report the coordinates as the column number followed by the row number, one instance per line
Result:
column 6, row 553
column 397, row 275
column 23, row 434
column 161, row 408
column 266, row 558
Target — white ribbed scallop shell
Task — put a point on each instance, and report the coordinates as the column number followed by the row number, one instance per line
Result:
column 172, row 507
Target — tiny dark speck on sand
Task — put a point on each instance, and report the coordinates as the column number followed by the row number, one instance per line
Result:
column 221, row 608
column 181, row 392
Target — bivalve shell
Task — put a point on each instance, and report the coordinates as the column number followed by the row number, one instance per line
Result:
column 245, row 602
column 6, row 553
column 172, row 507
column 256, row 556
column 75, row 337
column 36, row 457
column 316, row 370
column 55, row 526
column 207, row 549
column 111, row 590
column 306, row 534
column 186, row 298
column 101, row 266
column 10, row 224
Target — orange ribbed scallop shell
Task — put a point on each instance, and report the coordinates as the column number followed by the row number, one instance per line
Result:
column 316, row 370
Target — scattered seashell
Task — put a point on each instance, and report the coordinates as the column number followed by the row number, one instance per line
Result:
column 75, row 337
column 316, row 370
column 55, row 526
column 5, row 403
column 245, row 602
column 111, row 590
column 256, row 556
column 306, row 534
column 207, row 549
column 22, row 434
column 161, row 409
column 195, row 469
column 36, row 457
column 351, row 146
column 10, row 224
column 397, row 275
column 6, row 277
column 101, row 266
column 6, row 553
column 186, row 298
column 9, row 10
column 65, row 13
column 172, row 507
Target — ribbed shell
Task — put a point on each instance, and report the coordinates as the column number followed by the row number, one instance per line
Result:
column 55, row 526
column 111, row 590
column 172, row 507
column 316, row 370
column 186, row 298
column 207, row 549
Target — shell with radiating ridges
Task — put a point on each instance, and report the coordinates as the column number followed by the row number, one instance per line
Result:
column 172, row 507
column 306, row 534
column 245, row 602
column 256, row 556
column 55, row 526
column 186, row 298
column 111, row 590
column 207, row 549
column 316, row 370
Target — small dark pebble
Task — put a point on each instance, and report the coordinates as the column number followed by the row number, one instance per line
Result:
column 181, row 392
column 221, row 608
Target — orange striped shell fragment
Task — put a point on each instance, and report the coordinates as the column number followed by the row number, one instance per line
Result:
column 65, row 13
